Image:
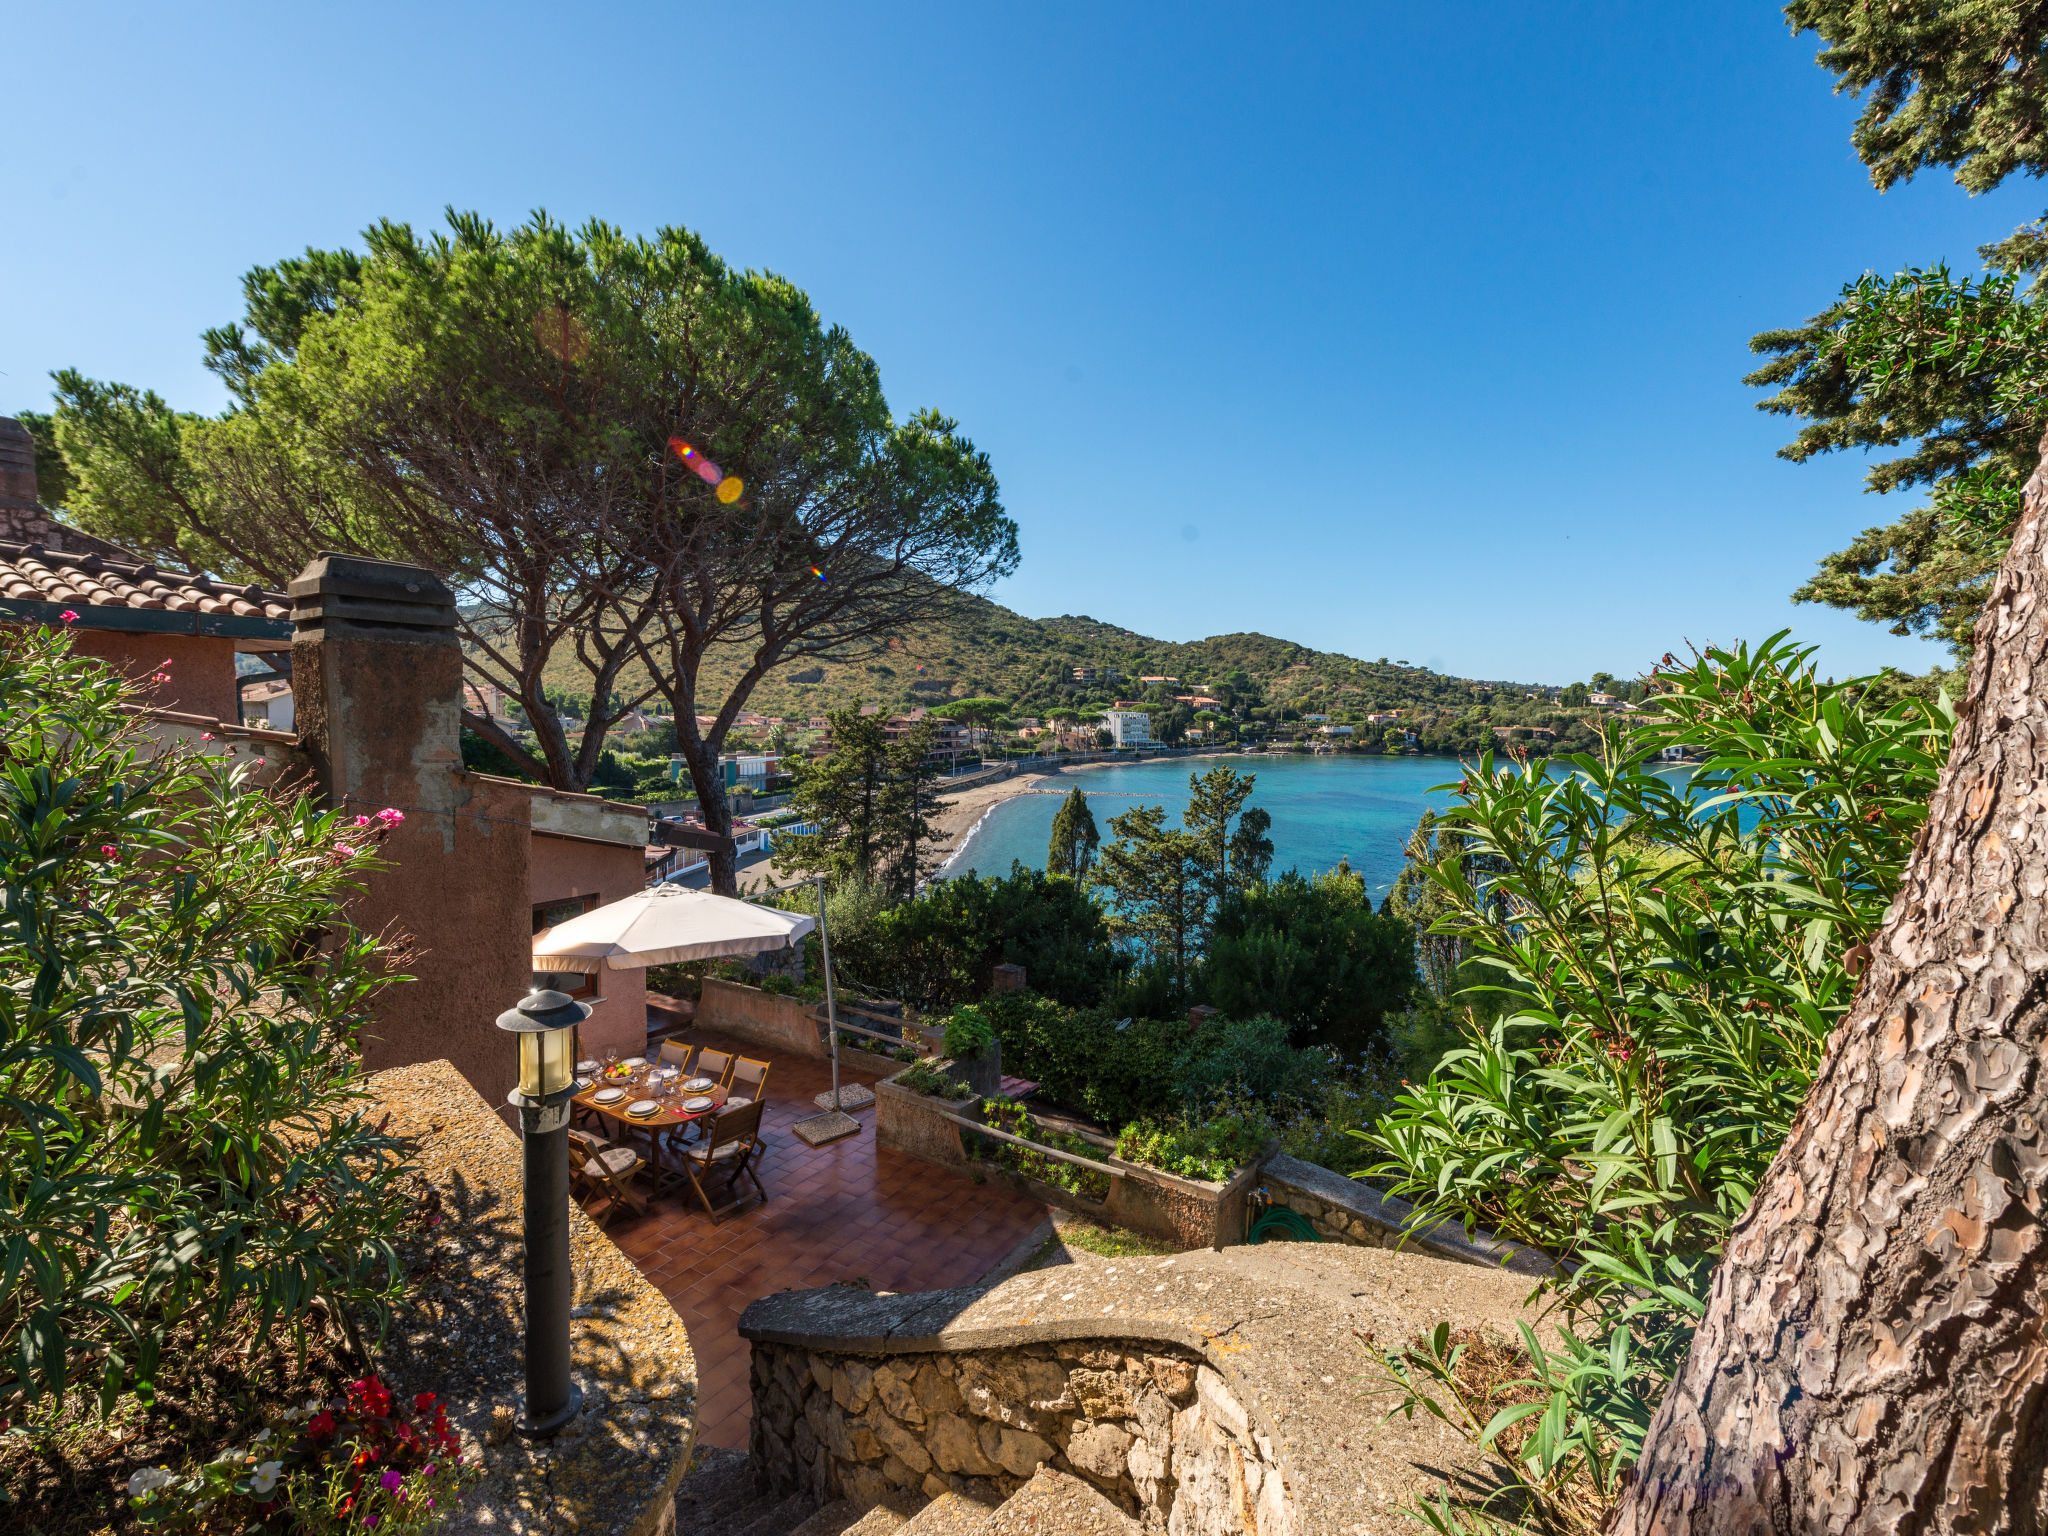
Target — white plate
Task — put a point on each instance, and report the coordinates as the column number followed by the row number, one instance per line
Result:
column 699, row 1084
column 642, row 1107
column 586, row 1066
column 693, row 1105
column 609, row 1095
column 582, row 1083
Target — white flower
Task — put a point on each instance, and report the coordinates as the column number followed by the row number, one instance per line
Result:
column 261, row 1436
column 148, row 1480
column 266, row 1477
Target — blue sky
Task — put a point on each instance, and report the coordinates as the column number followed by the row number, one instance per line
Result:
column 1412, row 331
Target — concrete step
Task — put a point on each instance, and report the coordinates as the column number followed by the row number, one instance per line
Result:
column 776, row 1517
column 717, row 1484
column 1056, row 1504
column 880, row 1521
column 834, row 1519
column 950, row 1514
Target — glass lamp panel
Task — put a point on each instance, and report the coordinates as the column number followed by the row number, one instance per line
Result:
column 558, row 1066
column 530, row 1062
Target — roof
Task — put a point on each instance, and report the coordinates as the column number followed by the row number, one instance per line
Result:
column 35, row 578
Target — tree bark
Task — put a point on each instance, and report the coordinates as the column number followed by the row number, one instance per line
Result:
column 1873, row 1354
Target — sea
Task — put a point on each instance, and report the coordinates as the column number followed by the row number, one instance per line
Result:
column 1324, row 809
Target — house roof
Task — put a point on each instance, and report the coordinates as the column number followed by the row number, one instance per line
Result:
column 35, row 579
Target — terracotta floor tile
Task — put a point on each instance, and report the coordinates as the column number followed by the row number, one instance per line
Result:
column 833, row 1214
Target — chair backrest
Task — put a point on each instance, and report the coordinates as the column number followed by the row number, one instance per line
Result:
column 583, row 1146
column 730, row 1125
column 716, row 1065
column 751, row 1074
column 675, row 1055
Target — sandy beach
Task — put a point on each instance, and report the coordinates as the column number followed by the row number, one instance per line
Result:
column 963, row 811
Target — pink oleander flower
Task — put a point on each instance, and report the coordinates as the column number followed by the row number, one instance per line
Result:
column 362, row 821
column 206, row 735
column 110, row 851
column 344, row 851
column 391, row 816
column 161, row 677
column 68, row 616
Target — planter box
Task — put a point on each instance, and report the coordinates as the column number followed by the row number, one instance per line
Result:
column 983, row 1073
column 763, row 1018
column 908, row 1121
column 1193, row 1213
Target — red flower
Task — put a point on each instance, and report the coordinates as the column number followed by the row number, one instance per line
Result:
column 68, row 616
column 321, row 1425
column 423, row 1403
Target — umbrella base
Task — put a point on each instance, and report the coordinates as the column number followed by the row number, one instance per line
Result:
column 851, row 1096
column 830, row 1126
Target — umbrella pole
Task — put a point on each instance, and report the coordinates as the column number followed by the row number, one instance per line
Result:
column 835, row 1122
column 831, row 1009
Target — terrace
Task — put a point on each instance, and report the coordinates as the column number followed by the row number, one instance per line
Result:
column 848, row 1211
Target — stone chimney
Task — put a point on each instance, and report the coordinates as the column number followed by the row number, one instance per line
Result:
column 22, row 519
column 377, row 685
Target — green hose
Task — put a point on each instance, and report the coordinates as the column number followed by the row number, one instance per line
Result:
column 1283, row 1224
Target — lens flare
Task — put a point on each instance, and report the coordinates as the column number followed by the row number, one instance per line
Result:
column 817, row 573
column 730, row 489
column 700, row 466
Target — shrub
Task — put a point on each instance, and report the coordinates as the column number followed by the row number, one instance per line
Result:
column 1211, row 1148
column 940, row 948
column 1245, row 1058
column 1680, row 953
column 1312, row 952
column 181, row 1147
column 1109, row 1069
column 1009, row 1115
column 928, row 1080
column 968, row 1033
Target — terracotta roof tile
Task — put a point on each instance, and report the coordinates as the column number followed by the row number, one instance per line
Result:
column 35, row 574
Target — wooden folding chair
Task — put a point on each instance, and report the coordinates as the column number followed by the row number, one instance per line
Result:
column 728, row 1150
column 597, row 1168
column 716, row 1065
column 674, row 1054
column 749, row 1082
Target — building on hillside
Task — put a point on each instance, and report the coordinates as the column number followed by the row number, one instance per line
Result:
column 1097, row 675
column 1337, row 730
column 176, row 635
column 1383, row 717
column 1160, row 682
column 1315, row 718
column 1602, row 700
column 268, row 706
column 1128, row 727
column 479, row 864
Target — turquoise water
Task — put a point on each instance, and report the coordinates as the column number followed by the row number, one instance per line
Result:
column 1323, row 809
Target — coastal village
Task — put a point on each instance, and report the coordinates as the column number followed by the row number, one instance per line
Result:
column 574, row 963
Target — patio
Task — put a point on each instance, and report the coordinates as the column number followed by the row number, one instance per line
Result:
column 844, row 1211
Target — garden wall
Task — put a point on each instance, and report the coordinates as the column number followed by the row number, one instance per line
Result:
column 1209, row 1394
column 767, row 1019
column 1346, row 1211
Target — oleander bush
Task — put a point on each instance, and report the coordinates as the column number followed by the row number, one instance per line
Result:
column 186, row 1175
column 1676, row 953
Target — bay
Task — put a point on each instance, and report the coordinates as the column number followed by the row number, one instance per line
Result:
column 1324, row 809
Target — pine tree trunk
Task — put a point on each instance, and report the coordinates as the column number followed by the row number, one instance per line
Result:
column 1873, row 1357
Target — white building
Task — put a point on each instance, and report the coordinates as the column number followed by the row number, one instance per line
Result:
column 1128, row 727
column 1336, row 730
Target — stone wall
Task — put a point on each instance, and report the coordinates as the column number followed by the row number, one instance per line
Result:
column 1151, row 1426
column 1211, row 1394
column 1346, row 1211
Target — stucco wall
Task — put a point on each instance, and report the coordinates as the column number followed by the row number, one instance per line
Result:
column 562, row 867
column 768, row 1019
column 202, row 668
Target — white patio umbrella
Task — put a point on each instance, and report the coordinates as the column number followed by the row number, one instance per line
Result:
column 662, row 926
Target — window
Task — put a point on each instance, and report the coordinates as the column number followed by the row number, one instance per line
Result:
column 550, row 914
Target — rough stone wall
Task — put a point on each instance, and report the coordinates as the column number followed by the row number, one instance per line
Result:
column 1152, row 1426
column 1343, row 1210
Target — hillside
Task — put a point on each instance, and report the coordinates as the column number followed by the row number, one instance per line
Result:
column 993, row 651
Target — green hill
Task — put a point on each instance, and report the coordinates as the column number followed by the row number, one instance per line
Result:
column 1030, row 662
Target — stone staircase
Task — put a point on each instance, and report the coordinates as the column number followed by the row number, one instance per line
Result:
column 719, row 1498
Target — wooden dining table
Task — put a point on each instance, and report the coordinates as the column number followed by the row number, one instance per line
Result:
column 669, row 1117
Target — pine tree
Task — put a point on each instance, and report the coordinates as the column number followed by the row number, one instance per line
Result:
column 1074, row 838
column 1154, row 878
column 908, row 803
column 845, row 798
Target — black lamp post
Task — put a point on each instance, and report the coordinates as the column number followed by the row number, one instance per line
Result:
column 545, row 1023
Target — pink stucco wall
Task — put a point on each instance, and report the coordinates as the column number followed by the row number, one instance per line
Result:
column 201, row 671
column 561, row 867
